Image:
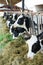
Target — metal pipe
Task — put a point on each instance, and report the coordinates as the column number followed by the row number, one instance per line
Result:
column 22, row 5
column 41, row 23
column 37, row 25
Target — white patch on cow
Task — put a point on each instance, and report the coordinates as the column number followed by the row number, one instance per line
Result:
column 7, row 22
column 30, row 42
column 14, row 16
column 15, row 24
column 41, row 46
column 20, row 17
column 21, row 33
column 30, row 55
column 10, row 29
column 14, row 37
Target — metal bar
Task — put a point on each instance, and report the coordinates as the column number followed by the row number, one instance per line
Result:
column 32, row 25
column 22, row 5
column 37, row 25
column 41, row 23
column 11, row 4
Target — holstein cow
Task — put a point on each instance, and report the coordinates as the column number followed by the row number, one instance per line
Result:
column 35, row 44
column 16, row 31
column 9, row 22
column 4, row 16
column 23, row 21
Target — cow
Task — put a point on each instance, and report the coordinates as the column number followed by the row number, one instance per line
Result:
column 9, row 22
column 4, row 16
column 11, row 19
column 16, row 31
column 35, row 44
column 24, row 22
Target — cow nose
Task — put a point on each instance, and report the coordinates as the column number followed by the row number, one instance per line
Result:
column 30, row 58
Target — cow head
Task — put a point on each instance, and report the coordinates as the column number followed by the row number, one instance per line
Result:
column 24, row 22
column 16, row 31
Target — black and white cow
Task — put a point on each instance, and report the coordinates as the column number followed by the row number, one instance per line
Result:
column 16, row 31
column 4, row 16
column 35, row 44
column 9, row 22
column 24, row 22
column 8, row 17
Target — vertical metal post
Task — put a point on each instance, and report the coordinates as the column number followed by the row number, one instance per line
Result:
column 41, row 24
column 11, row 4
column 22, row 5
column 37, row 25
column 32, row 25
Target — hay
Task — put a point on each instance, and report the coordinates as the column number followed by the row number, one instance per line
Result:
column 3, row 27
column 13, row 52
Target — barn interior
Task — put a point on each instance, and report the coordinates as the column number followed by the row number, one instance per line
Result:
column 14, row 51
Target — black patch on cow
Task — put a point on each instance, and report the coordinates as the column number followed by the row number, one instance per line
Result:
column 4, row 14
column 17, row 30
column 15, row 33
column 28, row 22
column 21, row 21
column 40, row 35
column 11, row 22
column 27, row 38
column 42, row 42
column 16, row 16
column 36, row 47
column 7, row 17
column 12, row 29
column 20, row 30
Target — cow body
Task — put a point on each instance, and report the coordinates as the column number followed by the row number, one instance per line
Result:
column 35, row 45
